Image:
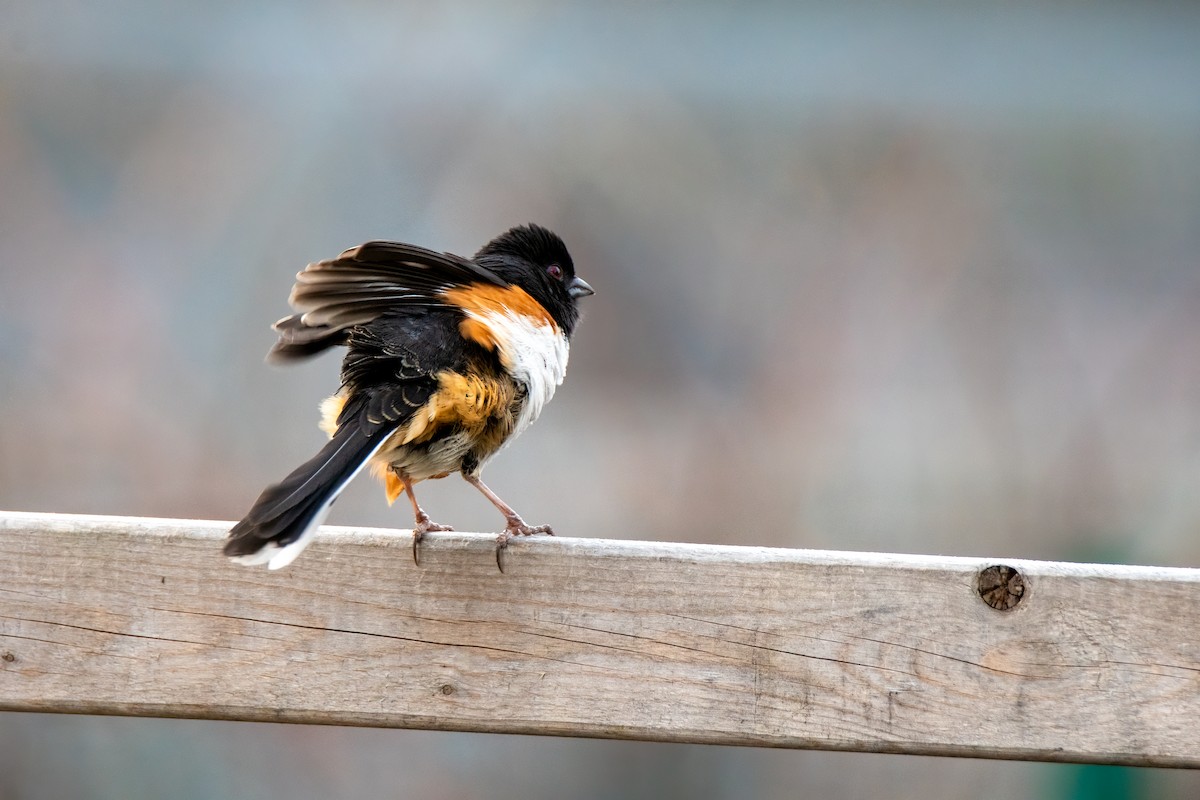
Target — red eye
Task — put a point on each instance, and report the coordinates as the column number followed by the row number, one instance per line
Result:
column 555, row 272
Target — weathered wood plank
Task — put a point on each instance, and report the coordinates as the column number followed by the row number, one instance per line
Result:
column 732, row 645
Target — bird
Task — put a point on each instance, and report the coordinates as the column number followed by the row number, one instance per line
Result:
column 447, row 360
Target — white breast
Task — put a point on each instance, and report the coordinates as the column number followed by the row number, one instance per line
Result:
column 534, row 353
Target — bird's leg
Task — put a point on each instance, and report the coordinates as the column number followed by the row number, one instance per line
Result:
column 424, row 523
column 515, row 526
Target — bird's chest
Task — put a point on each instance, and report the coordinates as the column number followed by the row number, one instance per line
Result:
column 535, row 356
column 472, row 416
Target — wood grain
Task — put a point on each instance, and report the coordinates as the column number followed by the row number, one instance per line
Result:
column 639, row 640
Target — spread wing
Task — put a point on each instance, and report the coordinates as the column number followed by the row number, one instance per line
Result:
column 332, row 296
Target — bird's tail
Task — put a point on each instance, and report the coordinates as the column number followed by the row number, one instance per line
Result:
column 286, row 515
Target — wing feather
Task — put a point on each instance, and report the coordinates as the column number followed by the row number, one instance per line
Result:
column 360, row 285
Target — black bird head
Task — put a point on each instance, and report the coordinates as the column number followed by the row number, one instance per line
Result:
column 536, row 260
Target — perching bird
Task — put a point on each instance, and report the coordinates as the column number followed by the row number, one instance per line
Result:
column 448, row 359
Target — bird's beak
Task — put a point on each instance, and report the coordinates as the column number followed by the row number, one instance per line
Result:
column 578, row 288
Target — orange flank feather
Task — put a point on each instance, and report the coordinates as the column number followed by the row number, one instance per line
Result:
column 475, row 331
column 476, row 404
column 466, row 401
column 482, row 300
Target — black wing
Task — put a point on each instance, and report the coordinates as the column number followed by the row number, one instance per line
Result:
column 332, row 296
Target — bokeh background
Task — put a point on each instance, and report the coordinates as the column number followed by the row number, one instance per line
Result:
column 891, row 276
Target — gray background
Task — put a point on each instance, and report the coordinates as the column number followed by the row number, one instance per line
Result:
column 895, row 276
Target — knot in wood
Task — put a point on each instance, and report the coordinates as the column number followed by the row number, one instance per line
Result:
column 1001, row 586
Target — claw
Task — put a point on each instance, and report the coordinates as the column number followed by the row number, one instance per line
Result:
column 516, row 527
column 424, row 526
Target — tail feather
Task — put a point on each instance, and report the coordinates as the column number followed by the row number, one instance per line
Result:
column 287, row 514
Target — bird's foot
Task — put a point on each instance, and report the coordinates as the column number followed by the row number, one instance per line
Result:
column 517, row 527
column 424, row 525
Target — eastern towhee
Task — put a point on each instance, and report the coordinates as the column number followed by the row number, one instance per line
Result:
column 447, row 360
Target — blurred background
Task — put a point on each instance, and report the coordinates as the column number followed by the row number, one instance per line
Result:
column 885, row 276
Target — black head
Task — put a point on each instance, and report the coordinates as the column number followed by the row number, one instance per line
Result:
column 535, row 259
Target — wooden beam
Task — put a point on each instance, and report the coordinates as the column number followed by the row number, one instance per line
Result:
column 589, row 637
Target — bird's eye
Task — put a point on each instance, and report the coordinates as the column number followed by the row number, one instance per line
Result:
column 555, row 272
